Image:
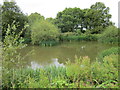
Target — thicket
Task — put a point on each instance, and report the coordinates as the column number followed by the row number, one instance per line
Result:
column 78, row 37
column 109, row 35
column 113, row 50
column 44, row 33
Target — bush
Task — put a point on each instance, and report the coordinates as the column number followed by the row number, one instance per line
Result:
column 91, row 37
column 82, row 37
column 113, row 50
column 11, row 44
column 43, row 33
column 79, row 70
column 110, row 35
column 105, row 74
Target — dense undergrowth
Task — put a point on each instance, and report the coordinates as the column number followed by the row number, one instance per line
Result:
column 109, row 35
column 83, row 37
column 80, row 74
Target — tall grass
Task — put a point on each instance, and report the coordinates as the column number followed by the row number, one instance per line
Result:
column 78, row 74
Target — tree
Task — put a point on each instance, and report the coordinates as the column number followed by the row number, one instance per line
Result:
column 12, row 13
column 32, row 18
column 35, row 16
column 94, row 19
column 44, row 31
column 51, row 20
column 100, row 17
column 110, row 35
column 69, row 19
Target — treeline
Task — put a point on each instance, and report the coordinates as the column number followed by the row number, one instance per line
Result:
column 69, row 22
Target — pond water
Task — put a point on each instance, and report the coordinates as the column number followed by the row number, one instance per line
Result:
column 37, row 56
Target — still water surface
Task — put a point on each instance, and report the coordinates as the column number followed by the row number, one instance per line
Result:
column 57, row 55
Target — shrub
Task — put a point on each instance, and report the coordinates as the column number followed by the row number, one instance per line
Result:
column 105, row 73
column 44, row 32
column 110, row 35
column 91, row 37
column 79, row 70
column 11, row 44
column 113, row 50
column 82, row 37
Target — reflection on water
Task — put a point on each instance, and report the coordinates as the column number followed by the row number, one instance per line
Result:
column 58, row 55
column 35, row 65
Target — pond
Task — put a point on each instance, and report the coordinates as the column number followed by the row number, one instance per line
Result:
column 37, row 56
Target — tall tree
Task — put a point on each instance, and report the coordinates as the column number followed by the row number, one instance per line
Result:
column 34, row 16
column 94, row 18
column 100, row 16
column 51, row 20
column 12, row 13
column 69, row 19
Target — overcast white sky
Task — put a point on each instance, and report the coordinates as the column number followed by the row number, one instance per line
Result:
column 50, row 8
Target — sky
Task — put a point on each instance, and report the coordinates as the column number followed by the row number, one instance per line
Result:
column 50, row 8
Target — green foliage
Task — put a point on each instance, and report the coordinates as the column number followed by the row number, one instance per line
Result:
column 12, row 13
column 11, row 44
column 113, row 50
column 94, row 19
column 97, row 30
column 44, row 33
column 101, row 16
column 51, row 20
column 10, row 56
column 34, row 16
column 68, row 19
column 75, row 37
column 79, row 70
column 79, row 74
column 110, row 35
column 108, row 71
column 97, row 18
